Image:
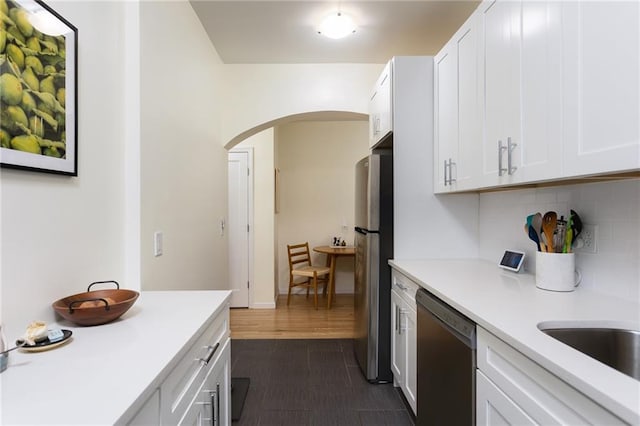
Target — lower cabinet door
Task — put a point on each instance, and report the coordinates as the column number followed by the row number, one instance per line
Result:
column 217, row 390
column 397, row 340
column 411, row 366
column 194, row 415
column 494, row 408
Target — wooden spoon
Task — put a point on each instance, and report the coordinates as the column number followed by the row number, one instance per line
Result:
column 549, row 223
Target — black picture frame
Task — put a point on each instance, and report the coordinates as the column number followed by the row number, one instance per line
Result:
column 38, row 128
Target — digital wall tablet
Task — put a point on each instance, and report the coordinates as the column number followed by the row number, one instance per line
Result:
column 512, row 260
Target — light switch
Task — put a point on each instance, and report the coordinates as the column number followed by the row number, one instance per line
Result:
column 157, row 243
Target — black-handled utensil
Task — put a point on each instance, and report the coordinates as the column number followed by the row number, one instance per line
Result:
column 576, row 224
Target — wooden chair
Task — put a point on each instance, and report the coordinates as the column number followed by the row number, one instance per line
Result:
column 300, row 266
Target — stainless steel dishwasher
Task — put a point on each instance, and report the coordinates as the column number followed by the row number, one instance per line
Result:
column 446, row 364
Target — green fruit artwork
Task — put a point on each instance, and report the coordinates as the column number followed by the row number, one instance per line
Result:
column 33, row 86
column 10, row 89
column 26, row 143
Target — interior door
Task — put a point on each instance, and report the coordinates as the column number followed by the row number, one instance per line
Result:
column 238, row 228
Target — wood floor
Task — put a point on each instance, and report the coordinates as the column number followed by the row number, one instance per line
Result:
column 299, row 320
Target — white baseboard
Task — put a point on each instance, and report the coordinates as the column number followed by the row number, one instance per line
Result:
column 268, row 305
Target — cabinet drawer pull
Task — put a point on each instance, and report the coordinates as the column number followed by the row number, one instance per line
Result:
column 212, row 351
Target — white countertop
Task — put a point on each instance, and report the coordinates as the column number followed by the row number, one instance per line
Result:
column 510, row 306
column 106, row 372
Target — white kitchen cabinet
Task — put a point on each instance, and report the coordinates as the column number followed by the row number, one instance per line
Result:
column 397, row 340
column 522, row 97
column 555, row 101
column 404, row 337
column 458, row 138
column 512, row 389
column 380, row 107
column 200, row 378
column 184, row 382
column 495, row 408
column 446, row 117
column 211, row 404
column 601, row 87
column 149, row 414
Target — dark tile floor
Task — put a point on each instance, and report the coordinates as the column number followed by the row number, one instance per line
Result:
column 311, row 382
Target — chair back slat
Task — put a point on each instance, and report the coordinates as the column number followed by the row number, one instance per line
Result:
column 298, row 254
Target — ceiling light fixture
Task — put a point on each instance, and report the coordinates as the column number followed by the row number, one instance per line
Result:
column 337, row 25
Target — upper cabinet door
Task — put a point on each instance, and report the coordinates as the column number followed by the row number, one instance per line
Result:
column 380, row 107
column 601, row 87
column 458, row 109
column 501, row 77
column 538, row 155
column 446, row 116
column 468, row 45
column 522, row 91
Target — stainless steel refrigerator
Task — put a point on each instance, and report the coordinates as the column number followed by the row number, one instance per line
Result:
column 374, row 247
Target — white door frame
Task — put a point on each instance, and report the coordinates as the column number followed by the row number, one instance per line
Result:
column 250, row 196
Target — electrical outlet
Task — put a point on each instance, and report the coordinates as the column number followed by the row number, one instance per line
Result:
column 586, row 241
column 157, row 243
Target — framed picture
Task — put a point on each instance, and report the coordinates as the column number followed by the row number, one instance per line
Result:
column 38, row 89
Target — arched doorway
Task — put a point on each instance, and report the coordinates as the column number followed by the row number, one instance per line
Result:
column 334, row 139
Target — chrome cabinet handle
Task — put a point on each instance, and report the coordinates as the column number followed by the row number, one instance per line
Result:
column 451, row 164
column 212, row 350
column 510, row 147
column 397, row 317
column 216, row 417
column 501, row 149
column 446, row 164
column 212, row 397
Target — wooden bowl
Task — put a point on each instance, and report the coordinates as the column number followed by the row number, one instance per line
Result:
column 96, row 307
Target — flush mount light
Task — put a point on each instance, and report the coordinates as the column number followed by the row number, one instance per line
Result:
column 337, row 25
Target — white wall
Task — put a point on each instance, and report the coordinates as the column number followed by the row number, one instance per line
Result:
column 317, row 178
column 425, row 225
column 58, row 234
column 261, row 93
column 183, row 168
column 262, row 283
column 613, row 206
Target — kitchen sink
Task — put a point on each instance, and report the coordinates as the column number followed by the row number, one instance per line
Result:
column 617, row 348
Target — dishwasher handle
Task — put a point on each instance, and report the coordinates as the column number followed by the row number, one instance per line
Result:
column 460, row 326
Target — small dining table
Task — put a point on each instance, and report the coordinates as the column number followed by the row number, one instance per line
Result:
column 333, row 252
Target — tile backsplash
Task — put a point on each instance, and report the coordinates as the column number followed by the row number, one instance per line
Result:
column 613, row 206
